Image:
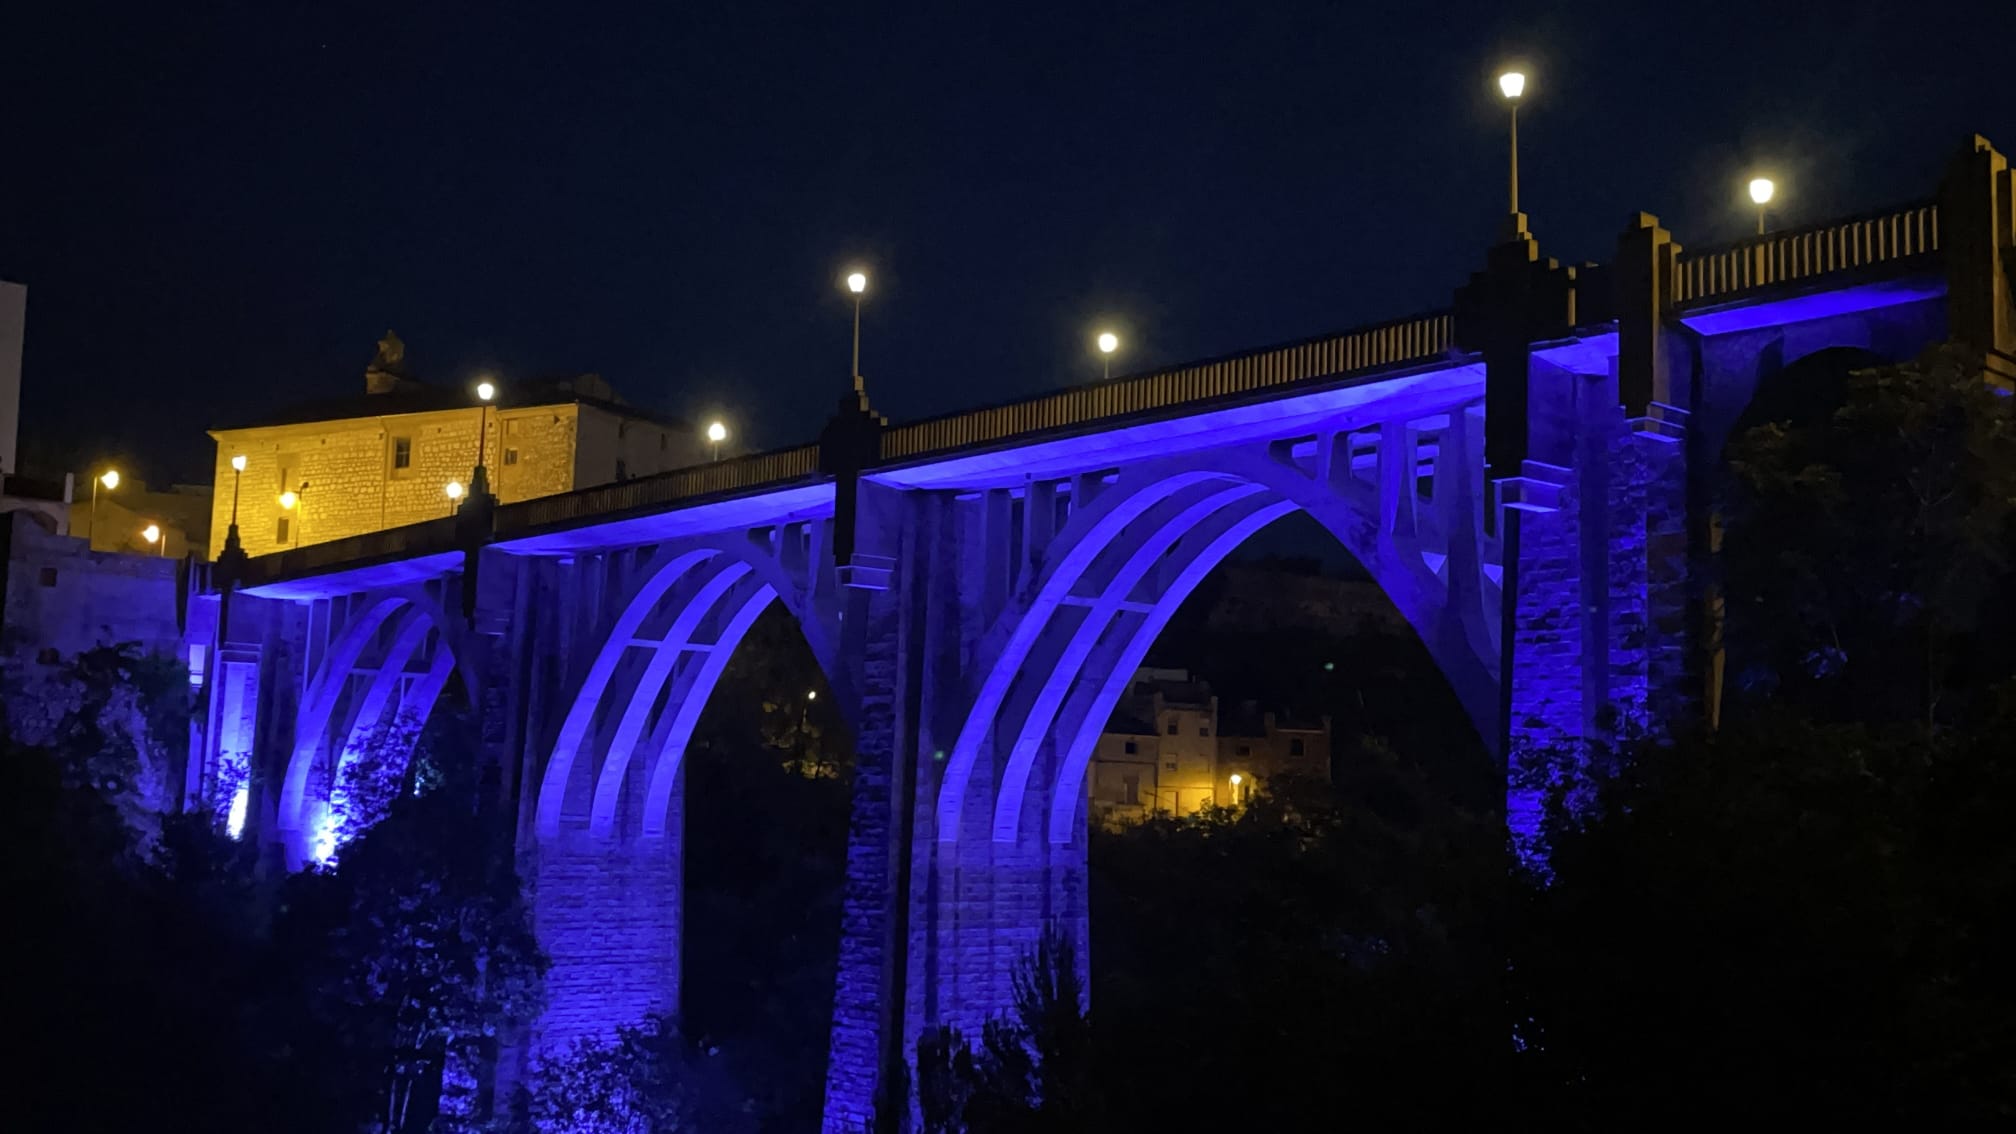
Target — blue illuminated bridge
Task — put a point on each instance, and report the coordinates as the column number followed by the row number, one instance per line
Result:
column 1525, row 474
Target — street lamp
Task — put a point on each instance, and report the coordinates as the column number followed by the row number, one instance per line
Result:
column 857, row 282
column 716, row 433
column 288, row 501
column 110, row 479
column 1762, row 189
column 237, row 475
column 454, row 491
column 811, row 694
column 1237, row 779
column 479, row 480
column 152, row 534
column 1512, row 85
column 1108, row 343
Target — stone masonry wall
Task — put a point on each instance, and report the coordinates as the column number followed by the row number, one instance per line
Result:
column 607, row 912
column 352, row 486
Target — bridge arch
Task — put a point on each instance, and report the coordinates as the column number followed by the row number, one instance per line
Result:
column 615, row 759
column 393, row 654
column 1403, row 498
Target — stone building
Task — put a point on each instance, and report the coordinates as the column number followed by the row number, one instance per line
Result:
column 1167, row 749
column 386, row 458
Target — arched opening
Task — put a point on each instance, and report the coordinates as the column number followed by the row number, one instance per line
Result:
column 768, row 793
column 1229, row 927
column 678, row 872
column 359, row 721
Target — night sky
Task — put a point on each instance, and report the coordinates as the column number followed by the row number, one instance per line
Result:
column 218, row 210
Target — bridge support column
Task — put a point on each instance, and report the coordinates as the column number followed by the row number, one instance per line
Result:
column 934, row 926
column 1596, row 642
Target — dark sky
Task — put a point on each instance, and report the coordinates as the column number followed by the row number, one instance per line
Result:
column 218, row 209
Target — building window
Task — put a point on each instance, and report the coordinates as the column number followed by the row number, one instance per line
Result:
column 1130, row 790
column 1295, row 747
column 47, row 576
column 662, row 442
column 1172, row 728
column 1245, row 750
column 511, row 428
column 402, row 453
column 1203, row 730
column 1171, row 765
column 510, row 456
column 280, row 531
column 1132, row 748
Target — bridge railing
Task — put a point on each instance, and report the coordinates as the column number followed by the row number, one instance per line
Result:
column 1720, row 274
column 1402, row 341
column 734, row 474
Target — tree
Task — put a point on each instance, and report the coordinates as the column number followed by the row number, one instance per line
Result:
column 1799, row 921
column 1869, row 552
column 413, row 955
column 645, row 1079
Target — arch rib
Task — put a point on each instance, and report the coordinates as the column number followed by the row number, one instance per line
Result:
column 1060, row 678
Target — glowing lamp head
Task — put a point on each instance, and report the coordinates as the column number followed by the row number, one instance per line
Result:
column 486, row 390
column 1108, row 342
column 289, row 498
column 1512, row 84
column 1761, row 190
column 1237, row 779
column 811, row 694
column 857, row 282
column 151, row 533
column 110, row 479
column 238, row 463
column 717, row 432
column 454, row 490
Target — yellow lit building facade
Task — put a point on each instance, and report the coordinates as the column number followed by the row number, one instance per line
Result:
column 337, row 469
column 1168, row 750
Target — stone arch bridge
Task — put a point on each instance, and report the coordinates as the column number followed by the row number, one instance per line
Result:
column 1525, row 474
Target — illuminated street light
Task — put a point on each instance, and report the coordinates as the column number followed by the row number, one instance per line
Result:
column 857, row 282
column 110, row 479
column 1108, row 343
column 237, row 475
column 1762, row 189
column 1237, row 779
column 716, row 433
column 454, row 492
column 152, row 534
column 1512, row 84
column 289, row 498
column 479, row 480
column 811, row 694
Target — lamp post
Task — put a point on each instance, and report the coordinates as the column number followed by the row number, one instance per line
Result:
column 237, row 474
column 479, row 480
column 1762, row 189
column 110, row 479
column 152, row 534
column 717, row 433
column 1108, row 343
column 1512, row 85
column 454, row 492
column 1237, row 779
column 857, row 282
column 288, row 501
